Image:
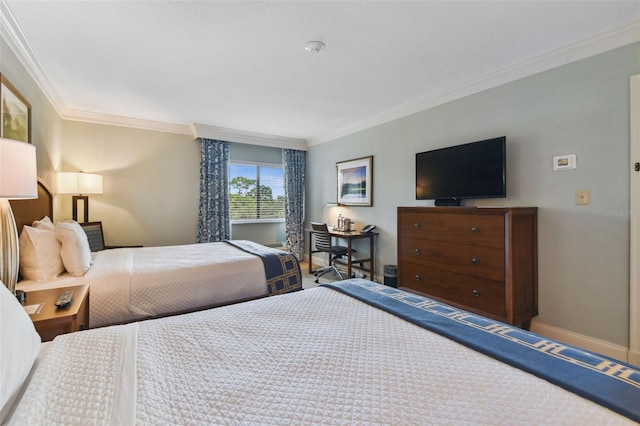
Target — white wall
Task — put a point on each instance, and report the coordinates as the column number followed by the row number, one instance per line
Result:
column 581, row 108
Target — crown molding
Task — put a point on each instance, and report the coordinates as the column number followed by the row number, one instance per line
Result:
column 136, row 123
column 243, row 136
column 10, row 31
column 622, row 36
column 12, row 34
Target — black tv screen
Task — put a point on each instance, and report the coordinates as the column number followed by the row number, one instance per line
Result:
column 472, row 170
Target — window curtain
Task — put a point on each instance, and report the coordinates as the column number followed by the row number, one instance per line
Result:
column 294, row 165
column 214, row 222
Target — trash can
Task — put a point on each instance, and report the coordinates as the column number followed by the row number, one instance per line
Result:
column 391, row 275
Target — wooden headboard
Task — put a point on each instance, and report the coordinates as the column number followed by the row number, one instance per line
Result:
column 26, row 211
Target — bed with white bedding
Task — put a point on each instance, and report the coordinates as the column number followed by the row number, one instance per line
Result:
column 355, row 353
column 129, row 284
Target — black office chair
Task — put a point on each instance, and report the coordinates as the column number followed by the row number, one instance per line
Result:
column 322, row 240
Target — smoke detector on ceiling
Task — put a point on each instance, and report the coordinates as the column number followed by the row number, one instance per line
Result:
column 314, row 46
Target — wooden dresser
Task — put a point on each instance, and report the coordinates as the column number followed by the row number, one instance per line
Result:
column 484, row 260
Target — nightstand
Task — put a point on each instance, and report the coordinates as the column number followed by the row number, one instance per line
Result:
column 51, row 321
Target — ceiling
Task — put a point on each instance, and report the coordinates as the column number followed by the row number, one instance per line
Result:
column 242, row 64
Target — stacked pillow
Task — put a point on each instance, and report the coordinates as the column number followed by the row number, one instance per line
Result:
column 40, row 251
column 46, row 250
column 75, row 251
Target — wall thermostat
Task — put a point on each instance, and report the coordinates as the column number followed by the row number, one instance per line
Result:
column 564, row 162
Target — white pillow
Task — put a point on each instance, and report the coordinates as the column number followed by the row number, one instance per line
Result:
column 19, row 346
column 75, row 253
column 39, row 254
column 44, row 223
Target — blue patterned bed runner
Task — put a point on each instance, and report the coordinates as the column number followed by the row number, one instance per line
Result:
column 608, row 382
column 282, row 269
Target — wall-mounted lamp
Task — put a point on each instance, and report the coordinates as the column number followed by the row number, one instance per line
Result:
column 80, row 185
column 18, row 179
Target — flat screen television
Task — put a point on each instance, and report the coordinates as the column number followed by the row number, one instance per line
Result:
column 472, row 170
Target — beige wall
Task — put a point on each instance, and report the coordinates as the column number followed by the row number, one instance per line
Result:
column 151, row 182
column 46, row 122
column 151, row 179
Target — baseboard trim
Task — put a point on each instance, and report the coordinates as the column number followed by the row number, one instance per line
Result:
column 589, row 343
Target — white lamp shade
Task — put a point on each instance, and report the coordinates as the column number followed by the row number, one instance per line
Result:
column 79, row 183
column 18, row 170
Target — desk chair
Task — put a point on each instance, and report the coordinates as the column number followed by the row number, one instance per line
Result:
column 322, row 240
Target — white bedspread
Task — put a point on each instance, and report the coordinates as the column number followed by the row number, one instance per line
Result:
column 134, row 283
column 312, row 357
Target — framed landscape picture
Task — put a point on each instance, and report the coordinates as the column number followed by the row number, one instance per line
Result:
column 15, row 112
column 355, row 183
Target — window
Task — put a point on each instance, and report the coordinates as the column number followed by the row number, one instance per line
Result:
column 256, row 192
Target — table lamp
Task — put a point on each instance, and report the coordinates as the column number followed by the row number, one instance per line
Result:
column 80, row 185
column 18, row 180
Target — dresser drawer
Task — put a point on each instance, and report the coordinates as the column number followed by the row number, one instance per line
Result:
column 481, row 230
column 465, row 291
column 485, row 262
column 481, row 259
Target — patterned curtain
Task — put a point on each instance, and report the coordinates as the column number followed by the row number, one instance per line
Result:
column 214, row 220
column 294, row 181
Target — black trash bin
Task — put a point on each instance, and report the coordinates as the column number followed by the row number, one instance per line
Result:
column 391, row 275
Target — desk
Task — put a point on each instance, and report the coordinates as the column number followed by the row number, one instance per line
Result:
column 349, row 236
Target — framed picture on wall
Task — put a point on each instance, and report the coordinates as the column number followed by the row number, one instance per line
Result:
column 355, row 183
column 15, row 112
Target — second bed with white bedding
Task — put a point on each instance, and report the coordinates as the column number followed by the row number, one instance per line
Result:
column 134, row 283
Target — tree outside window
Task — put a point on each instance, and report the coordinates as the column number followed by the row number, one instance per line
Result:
column 256, row 191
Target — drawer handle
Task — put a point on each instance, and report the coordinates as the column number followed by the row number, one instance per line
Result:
column 418, row 277
column 475, row 230
column 475, row 261
column 476, row 293
column 416, row 251
column 416, row 225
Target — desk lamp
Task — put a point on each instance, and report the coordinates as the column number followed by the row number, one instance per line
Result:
column 330, row 205
column 80, row 185
column 18, row 180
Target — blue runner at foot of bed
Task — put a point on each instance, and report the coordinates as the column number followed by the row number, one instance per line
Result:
column 608, row 382
column 282, row 269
